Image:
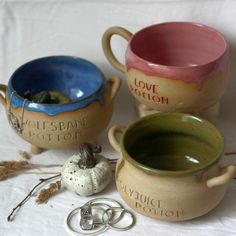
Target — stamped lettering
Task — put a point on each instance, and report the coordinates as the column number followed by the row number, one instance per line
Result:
column 55, row 131
column 149, row 205
column 148, row 91
column 56, row 125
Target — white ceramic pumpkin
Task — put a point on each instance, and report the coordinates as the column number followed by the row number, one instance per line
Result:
column 86, row 179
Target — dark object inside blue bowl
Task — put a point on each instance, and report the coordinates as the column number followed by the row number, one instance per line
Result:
column 75, row 78
column 78, row 79
column 47, row 97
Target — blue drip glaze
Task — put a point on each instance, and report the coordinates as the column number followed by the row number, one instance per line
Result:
column 76, row 78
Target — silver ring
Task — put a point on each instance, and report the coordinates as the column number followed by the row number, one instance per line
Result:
column 111, row 224
column 89, row 223
column 100, row 230
column 117, row 204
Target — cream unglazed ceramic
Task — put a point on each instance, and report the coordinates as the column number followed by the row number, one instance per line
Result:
column 170, row 166
column 60, row 126
column 173, row 66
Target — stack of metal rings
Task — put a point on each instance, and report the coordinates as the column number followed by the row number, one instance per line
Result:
column 98, row 215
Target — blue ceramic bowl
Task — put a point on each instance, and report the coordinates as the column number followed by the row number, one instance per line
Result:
column 67, row 125
column 76, row 78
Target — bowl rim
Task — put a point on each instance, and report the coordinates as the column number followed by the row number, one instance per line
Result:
column 194, row 24
column 170, row 173
column 18, row 100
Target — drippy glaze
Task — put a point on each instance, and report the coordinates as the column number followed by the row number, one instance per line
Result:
column 178, row 50
column 78, row 79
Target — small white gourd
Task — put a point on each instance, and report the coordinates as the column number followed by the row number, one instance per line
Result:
column 85, row 173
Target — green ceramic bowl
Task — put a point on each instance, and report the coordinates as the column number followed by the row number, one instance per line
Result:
column 172, row 144
column 170, row 166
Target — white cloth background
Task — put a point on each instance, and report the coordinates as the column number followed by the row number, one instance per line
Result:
column 32, row 29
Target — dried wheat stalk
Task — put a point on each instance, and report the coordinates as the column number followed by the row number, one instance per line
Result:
column 25, row 155
column 45, row 194
column 41, row 181
column 10, row 168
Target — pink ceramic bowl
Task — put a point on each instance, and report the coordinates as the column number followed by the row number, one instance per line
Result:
column 174, row 66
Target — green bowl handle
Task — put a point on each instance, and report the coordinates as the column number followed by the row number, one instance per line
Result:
column 112, row 136
column 227, row 174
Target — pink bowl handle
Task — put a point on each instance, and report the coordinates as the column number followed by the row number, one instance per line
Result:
column 106, row 45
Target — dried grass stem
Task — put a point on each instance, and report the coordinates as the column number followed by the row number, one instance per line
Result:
column 10, row 217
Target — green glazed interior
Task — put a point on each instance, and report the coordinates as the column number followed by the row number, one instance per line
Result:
column 172, row 144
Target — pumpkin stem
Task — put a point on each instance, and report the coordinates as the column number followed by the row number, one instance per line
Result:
column 86, row 152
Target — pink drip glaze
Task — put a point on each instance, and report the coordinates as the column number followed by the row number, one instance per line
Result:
column 153, row 52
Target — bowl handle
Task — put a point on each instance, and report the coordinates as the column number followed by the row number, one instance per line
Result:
column 3, row 89
column 114, row 83
column 228, row 173
column 112, row 136
column 106, row 45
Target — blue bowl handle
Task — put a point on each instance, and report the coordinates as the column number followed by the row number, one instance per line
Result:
column 114, row 83
column 3, row 90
